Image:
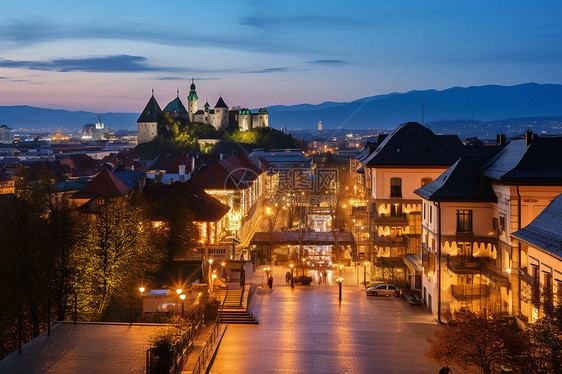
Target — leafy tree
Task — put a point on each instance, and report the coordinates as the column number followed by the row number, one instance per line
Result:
column 476, row 342
column 546, row 342
column 116, row 255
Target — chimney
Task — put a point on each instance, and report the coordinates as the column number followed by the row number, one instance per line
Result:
column 181, row 169
column 192, row 164
column 500, row 139
column 529, row 136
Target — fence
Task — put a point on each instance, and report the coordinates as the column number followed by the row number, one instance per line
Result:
column 208, row 347
column 167, row 360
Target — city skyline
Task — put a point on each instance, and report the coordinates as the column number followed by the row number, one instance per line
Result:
column 107, row 57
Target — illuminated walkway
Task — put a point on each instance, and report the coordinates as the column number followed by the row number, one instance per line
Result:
column 306, row 330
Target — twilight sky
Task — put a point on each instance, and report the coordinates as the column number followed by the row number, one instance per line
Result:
column 107, row 55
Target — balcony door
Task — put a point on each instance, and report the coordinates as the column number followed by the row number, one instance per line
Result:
column 464, row 250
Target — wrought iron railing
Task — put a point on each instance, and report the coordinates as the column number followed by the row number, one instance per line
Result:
column 207, row 349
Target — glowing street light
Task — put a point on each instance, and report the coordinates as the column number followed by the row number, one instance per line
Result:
column 179, row 291
column 141, row 289
column 292, row 282
column 340, row 282
column 365, row 273
column 182, row 297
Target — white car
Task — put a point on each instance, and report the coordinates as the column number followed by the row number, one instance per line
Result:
column 384, row 289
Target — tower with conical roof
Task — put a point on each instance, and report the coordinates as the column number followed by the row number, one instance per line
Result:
column 220, row 116
column 147, row 124
column 192, row 99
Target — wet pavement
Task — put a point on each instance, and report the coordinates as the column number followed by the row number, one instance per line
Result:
column 306, row 330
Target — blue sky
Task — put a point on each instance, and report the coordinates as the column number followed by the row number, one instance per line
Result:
column 107, row 55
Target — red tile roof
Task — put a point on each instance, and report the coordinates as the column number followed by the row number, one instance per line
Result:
column 105, row 183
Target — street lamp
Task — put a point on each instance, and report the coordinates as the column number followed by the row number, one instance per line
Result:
column 179, row 291
column 210, row 275
column 182, row 297
column 213, row 277
column 340, row 281
column 365, row 273
column 303, row 261
column 141, row 289
column 292, row 283
column 341, row 268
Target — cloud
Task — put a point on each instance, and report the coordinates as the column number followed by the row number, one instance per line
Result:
column 4, row 78
column 329, row 62
column 268, row 70
column 261, row 22
column 103, row 64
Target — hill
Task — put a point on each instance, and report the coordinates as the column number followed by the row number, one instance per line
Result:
column 477, row 103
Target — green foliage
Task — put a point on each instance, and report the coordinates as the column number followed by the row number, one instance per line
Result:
column 304, row 280
column 265, row 137
column 546, row 342
column 116, row 254
column 165, row 337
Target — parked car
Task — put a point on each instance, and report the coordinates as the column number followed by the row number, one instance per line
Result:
column 384, row 289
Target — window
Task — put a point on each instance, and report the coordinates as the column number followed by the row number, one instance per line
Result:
column 502, row 224
column 464, row 220
column 396, row 210
column 426, row 181
column 424, row 210
column 395, row 187
column 548, row 291
column 430, row 213
column 392, row 288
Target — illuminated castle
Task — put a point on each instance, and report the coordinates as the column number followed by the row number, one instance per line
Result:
column 220, row 117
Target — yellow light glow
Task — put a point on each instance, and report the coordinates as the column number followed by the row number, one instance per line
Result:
column 179, row 291
column 214, row 276
column 182, row 297
column 291, row 266
column 141, row 289
column 211, row 261
column 341, row 266
column 222, row 263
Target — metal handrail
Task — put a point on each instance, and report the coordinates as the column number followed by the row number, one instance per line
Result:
column 208, row 346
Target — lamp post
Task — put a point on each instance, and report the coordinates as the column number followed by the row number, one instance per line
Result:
column 141, row 290
column 182, row 298
column 210, row 275
column 303, row 262
column 341, row 269
column 179, row 291
column 339, row 281
column 292, row 282
column 213, row 277
column 365, row 273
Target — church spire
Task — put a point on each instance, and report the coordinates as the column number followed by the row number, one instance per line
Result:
column 192, row 93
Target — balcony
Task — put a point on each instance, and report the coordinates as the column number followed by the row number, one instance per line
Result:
column 469, row 292
column 464, row 265
column 390, row 220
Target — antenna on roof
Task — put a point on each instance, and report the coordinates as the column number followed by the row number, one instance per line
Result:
column 422, row 113
column 153, row 91
column 178, row 92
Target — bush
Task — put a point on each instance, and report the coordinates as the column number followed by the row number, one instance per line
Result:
column 303, row 279
column 165, row 336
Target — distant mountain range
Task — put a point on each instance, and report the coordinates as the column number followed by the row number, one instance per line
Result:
column 449, row 107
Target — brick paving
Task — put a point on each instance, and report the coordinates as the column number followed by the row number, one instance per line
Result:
column 306, row 330
column 83, row 348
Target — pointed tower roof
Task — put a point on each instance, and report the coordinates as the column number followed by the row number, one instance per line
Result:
column 175, row 106
column 221, row 104
column 207, row 106
column 151, row 111
column 192, row 93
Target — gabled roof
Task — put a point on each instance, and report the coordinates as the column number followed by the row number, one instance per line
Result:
column 151, row 111
column 178, row 196
column 165, row 161
column 233, row 173
column 412, row 144
column 121, row 159
column 545, row 231
column 538, row 163
column 175, row 106
column 81, row 164
column 221, row 104
column 461, row 182
column 105, row 184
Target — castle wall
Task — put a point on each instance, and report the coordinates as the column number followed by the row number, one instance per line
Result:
column 146, row 132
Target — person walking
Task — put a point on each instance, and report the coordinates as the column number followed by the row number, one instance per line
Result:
column 287, row 277
column 445, row 370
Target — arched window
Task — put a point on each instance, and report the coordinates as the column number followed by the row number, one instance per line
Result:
column 395, row 187
column 425, row 181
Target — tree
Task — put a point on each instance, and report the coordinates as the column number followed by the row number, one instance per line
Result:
column 116, row 255
column 474, row 341
column 546, row 342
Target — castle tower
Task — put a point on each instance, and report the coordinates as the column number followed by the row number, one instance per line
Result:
column 192, row 100
column 244, row 120
column 263, row 118
column 220, row 118
column 147, row 124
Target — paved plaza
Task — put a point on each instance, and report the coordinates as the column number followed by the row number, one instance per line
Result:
column 306, row 330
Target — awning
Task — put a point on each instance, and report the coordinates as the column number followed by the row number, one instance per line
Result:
column 414, row 262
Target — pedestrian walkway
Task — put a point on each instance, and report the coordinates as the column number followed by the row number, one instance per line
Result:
column 307, row 330
column 352, row 276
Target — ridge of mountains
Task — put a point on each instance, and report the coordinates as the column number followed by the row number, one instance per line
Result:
column 452, row 106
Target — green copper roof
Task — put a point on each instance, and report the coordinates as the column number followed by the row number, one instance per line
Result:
column 150, row 112
column 263, row 110
column 175, row 106
column 206, row 106
column 192, row 94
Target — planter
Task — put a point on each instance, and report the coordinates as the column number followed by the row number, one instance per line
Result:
column 211, row 312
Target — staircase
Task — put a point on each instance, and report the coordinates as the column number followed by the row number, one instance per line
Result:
column 233, row 311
